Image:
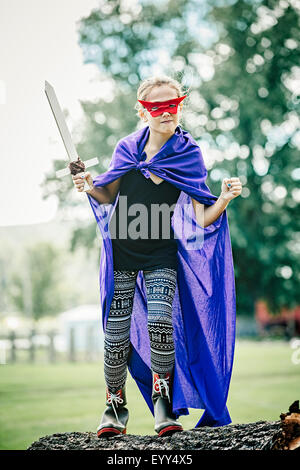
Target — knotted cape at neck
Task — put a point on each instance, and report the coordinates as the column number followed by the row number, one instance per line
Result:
column 204, row 305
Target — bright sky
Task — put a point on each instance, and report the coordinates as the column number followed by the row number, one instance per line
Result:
column 39, row 42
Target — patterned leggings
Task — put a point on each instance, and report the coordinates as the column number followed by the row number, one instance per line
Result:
column 160, row 286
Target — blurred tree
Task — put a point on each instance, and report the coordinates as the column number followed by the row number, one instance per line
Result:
column 35, row 289
column 253, row 101
column 238, row 59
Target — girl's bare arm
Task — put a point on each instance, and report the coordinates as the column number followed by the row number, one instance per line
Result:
column 103, row 194
column 206, row 215
column 106, row 194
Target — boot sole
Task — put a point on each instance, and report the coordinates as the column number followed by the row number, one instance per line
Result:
column 169, row 430
column 108, row 432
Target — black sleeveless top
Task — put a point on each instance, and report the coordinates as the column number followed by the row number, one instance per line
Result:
column 135, row 247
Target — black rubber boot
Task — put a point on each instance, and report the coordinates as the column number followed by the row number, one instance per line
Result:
column 165, row 421
column 115, row 417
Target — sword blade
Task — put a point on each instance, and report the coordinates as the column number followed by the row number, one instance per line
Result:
column 61, row 122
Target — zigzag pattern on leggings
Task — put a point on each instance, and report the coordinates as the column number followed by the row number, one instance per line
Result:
column 160, row 285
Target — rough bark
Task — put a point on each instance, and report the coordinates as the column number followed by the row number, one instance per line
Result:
column 261, row 435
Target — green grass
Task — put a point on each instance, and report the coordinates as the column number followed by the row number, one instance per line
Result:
column 41, row 399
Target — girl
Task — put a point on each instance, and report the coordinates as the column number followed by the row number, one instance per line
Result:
column 161, row 165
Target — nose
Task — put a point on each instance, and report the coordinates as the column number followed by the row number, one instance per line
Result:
column 166, row 114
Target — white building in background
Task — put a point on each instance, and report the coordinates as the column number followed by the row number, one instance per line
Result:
column 83, row 326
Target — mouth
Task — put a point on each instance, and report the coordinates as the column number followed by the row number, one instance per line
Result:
column 169, row 120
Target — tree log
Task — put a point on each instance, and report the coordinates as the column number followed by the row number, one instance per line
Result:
column 283, row 434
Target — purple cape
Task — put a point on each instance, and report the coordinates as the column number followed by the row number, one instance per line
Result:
column 204, row 305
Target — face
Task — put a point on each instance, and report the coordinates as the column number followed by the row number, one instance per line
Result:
column 166, row 122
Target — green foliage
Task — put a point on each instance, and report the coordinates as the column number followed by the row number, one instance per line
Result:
column 257, row 75
column 35, row 288
column 238, row 59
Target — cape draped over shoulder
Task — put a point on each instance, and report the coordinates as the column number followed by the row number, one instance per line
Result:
column 204, row 305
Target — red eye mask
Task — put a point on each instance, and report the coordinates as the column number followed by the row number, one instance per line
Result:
column 156, row 108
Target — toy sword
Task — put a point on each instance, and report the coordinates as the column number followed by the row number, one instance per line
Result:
column 76, row 165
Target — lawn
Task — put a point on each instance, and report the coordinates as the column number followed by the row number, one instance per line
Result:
column 41, row 399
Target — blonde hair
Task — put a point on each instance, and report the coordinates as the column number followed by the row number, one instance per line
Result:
column 147, row 86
